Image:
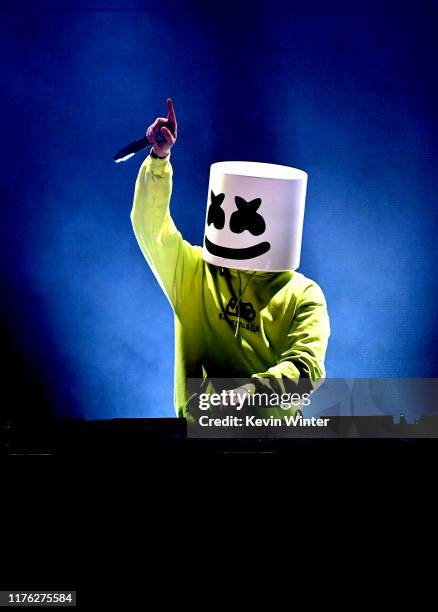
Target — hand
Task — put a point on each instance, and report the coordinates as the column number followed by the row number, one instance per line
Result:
column 167, row 128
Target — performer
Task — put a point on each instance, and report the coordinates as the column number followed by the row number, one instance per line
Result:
column 241, row 310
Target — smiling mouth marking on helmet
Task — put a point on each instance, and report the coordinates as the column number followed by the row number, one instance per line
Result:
column 247, row 253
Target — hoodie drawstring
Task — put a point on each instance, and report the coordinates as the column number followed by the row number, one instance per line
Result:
column 241, row 292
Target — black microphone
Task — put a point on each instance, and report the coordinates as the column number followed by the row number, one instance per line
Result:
column 133, row 148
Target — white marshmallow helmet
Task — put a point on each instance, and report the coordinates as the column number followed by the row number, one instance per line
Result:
column 255, row 215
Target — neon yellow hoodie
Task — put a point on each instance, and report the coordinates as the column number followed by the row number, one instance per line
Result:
column 270, row 327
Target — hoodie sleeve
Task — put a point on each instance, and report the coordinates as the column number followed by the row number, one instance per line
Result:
column 302, row 360
column 172, row 259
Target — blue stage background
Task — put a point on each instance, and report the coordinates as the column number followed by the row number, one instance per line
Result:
column 345, row 91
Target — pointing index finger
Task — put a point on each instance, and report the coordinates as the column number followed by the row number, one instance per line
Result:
column 171, row 114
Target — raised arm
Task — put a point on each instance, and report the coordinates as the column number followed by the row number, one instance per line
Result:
column 172, row 259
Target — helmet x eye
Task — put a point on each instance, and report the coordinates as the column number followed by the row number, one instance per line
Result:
column 246, row 217
column 215, row 213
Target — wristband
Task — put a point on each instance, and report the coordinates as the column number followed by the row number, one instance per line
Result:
column 155, row 156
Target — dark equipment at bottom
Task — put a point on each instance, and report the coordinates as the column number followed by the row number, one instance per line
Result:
column 115, row 437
